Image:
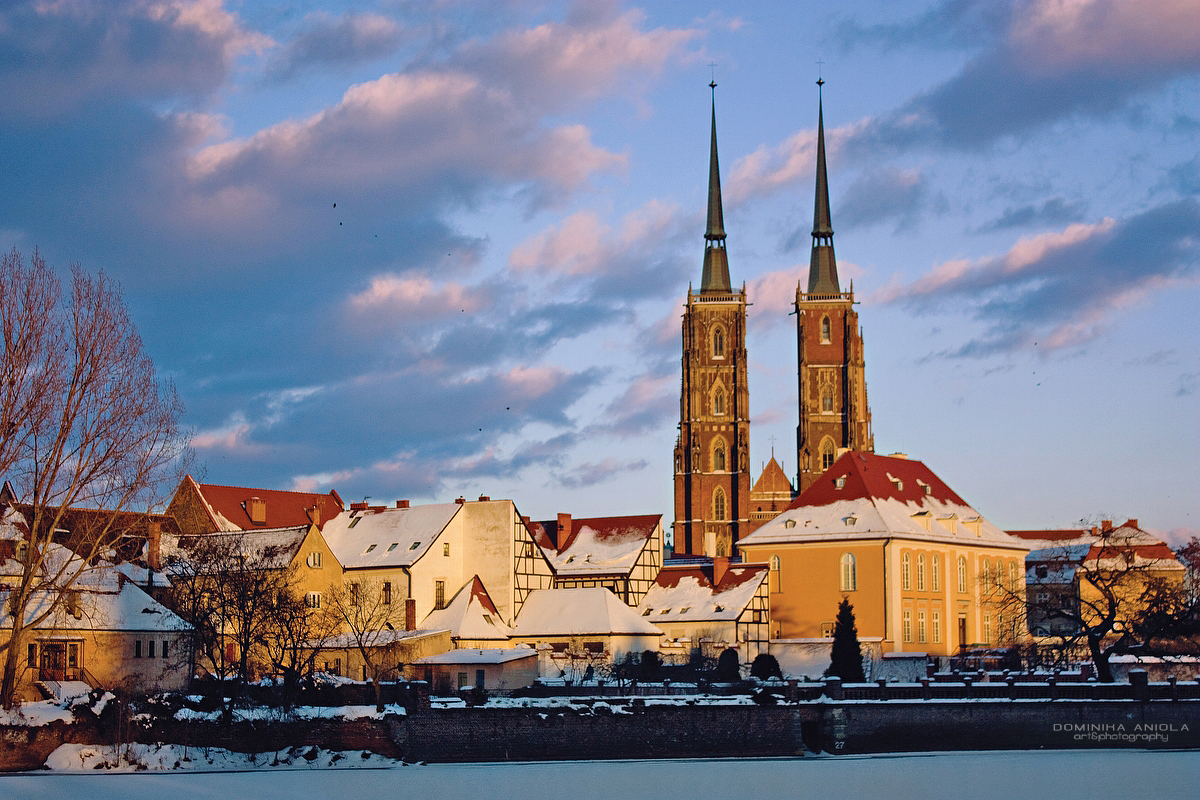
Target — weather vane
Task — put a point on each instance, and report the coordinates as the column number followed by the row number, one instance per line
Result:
column 820, row 80
column 712, row 65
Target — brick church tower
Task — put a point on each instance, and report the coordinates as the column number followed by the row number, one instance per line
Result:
column 712, row 478
column 834, row 415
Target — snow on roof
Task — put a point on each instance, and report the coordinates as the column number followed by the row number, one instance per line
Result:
column 380, row 638
column 596, row 546
column 470, row 614
column 125, row 609
column 575, row 612
column 386, row 537
column 687, row 594
column 477, row 656
column 867, row 496
column 265, row 549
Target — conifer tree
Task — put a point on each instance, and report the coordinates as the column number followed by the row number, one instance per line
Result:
column 847, row 655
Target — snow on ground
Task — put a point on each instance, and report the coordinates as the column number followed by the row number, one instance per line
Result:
column 88, row 758
column 43, row 712
column 1062, row 774
column 299, row 712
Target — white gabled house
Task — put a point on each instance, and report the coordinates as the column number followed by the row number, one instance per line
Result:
column 621, row 554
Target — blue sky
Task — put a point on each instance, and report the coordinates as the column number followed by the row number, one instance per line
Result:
column 424, row 249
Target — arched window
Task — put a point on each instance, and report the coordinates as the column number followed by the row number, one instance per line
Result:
column 718, row 504
column 1012, row 576
column 718, row 343
column 827, row 399
column 986, row 575
column 849, row 573
column 826, row 330
column 935, row 572
column 718, row 403
column 775, row 574
column 962, row 574
column 906, row 572
column 827, row 454
column 921, row 572
column 718, row 456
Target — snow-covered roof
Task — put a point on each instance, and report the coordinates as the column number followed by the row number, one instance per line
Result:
column 575, row 612
column 264, row 549
column 477, row 656
column 687, row 594
column 470, row 614
column 127, row 608
column 386, row 537
column 595, row 546
column 380, row 638
column 867, row 496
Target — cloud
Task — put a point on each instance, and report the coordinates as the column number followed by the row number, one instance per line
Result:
column 592, row 473
column 1055, row 211
column 343, row 40
column 1057, row 290
column 61, row 57
column 883, row 194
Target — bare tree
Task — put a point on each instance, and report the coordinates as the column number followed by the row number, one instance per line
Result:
column 84, row 422
column 296, row 639
column 369, row 620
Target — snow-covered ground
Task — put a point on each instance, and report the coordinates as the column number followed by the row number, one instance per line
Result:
column 1063, row 775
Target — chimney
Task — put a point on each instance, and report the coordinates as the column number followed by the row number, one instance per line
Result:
column 1132, row 523
column 154, row 546
column 358, row 506
column 483, row 498
column 1105, row 525
column 528, row 522
column 256, row 509
column 460, row 500
column 401, row 504
column 720, row 567
column 314, row 514
column 410, row 614
column 564, row 529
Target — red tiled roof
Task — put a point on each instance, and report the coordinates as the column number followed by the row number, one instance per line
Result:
column 871, row 476
column 607, row 529
column 736, row 575
column 772, row 480
column 1050, row 535
column 283, row 509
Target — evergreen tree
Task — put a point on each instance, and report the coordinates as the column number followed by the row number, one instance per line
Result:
column 765, row 666
column 728, row 666
column 847, row 655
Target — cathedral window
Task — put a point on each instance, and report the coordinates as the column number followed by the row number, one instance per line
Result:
column 718, row 459
column 827, row 454
column 718, row 343
column 718, row 504
column 849, row 573
column 718, row 403
column 826, row 330
column 827, row 400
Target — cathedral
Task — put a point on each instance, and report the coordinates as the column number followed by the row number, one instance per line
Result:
column 715, row 506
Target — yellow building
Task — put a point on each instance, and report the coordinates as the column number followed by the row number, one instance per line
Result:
column 924, row 571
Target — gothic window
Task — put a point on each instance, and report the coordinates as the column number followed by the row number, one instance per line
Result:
column 906, row 572
column 718, row 343
column 827, row 454
column 718, row 504
column 718, row 403
column 826, row 330
column 827, row 399
column 849, row 573
column 718, row 458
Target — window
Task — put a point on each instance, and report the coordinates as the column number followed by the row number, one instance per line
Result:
column 414, row 545
column 439, row 594
column 354, row 596
column 1012, row 576
column 962, row 574
column 718, row 403
column 387, row 593
column 826, row 630
column 150, row 649
column 462, row 680
column 827, row 400
column 718, row 460
column 907, row 625
column 827, row 454
column 906, row 572
column 354, row 522
column 594, row 648
column 314, row 559
column 775, row 574
column 718, row 504
column 370, row 547
column 921, row 572
column 986, row 575
column 826, row 330
column 393, row 546
column 849, row 573
column 164, row 648
column 937, row 626
column 73, row 654
column 987, row 628
column 445, row 549
column 921, row 636
column 1043, row 598
column 313, row 599
column 137, row 648
column 840, row 482
column 935, row 573
column 32, row 654
column 718, row 343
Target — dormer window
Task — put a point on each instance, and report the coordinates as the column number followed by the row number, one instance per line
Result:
column 839, row 482
column 851, row 521
column 370, row 547
column 646, row 613
column 789, row 523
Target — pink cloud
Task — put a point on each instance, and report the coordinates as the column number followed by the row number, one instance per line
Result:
column 582, row 244
column 416, row 295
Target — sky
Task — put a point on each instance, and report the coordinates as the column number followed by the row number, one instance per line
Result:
column 418, row 250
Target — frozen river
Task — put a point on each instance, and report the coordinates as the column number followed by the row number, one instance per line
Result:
column 1047, row 775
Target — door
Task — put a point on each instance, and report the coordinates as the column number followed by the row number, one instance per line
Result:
column 962, row 632
column 53, row 666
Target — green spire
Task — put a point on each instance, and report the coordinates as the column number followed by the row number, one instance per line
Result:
column 822, row 268
column 715, row 277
